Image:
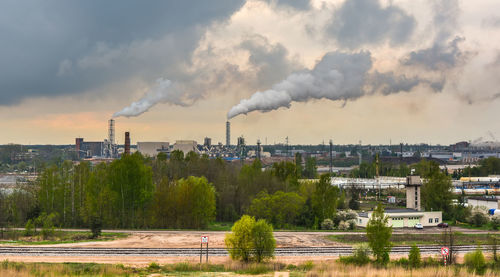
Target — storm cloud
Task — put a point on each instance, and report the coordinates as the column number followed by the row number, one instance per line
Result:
column 366, row 22
column 57, row 47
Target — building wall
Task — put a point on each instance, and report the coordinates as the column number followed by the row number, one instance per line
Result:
column 151, row 148
column 409, row 219
column 185, row 146
column 483, row 203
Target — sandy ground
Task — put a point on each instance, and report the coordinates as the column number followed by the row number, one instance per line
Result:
column 179, row 239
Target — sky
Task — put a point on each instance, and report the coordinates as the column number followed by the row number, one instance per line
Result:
column 375, row 71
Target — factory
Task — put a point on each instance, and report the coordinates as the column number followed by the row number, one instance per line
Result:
column 413, row 214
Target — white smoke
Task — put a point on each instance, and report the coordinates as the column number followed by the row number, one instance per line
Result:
column 163, row 91
column 337, row 76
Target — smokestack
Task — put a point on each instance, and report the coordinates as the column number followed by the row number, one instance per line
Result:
column 258, row 149
column 127, row 143
column 78, row 146
column 331, row 157
column 111, row 131
column 228, row 133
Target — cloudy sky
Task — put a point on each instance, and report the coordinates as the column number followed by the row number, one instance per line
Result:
column 369, row 70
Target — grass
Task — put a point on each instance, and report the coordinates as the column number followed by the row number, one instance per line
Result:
column 486, row 227
column 8, row 268
column 60, row 237
column 420, row 239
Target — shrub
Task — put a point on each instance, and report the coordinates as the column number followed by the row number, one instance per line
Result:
column 250, row 240
column 352, row 224
column 343, row 225
column 403, row 262
column 361, row 253
column 495, row 222
column 95, row 226
column 414, row 257
column 154, row 266
column 327, row 224
column 478, row 217
column 475, row 262
column 48, row 228
column 29, row 228
column 263, row 240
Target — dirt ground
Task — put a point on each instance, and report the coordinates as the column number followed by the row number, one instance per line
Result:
column 180, row 239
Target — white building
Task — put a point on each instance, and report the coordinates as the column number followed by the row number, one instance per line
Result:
column 152, row 148
column 186, row 146
column 413, row 213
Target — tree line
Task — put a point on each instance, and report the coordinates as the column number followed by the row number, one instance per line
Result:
column 183, row 191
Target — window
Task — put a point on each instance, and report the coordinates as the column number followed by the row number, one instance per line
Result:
column 430, row 220
column 436, row 220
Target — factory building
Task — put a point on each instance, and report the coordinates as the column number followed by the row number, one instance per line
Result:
column 413, row 214
column 152, row 148
column 186, row 146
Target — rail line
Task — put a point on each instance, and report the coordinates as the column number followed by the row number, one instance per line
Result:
column 179, row 252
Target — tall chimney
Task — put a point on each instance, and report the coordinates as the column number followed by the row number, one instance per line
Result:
column 78, row 146
column 228, row 133
column 111, row 131
column 127, row 143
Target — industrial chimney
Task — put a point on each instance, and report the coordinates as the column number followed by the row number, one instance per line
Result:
column 228, row 133
column 127, row 143
column 111, row 131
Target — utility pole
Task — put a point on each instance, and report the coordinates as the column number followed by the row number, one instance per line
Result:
column 331, row 157
column 378, row 176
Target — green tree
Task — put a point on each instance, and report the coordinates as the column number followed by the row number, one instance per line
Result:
column 437, row 194
column 280, row 208
column 263, row 240
column 310, row 170
column 240, row 242
column 325, row 198
column 379, row 234
column 414, row 256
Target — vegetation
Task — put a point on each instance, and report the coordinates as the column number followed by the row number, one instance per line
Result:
column 36, row 238
column 436, row 192
column 414, row 257
column 475, row 262
column 379, row 234
column 251, row 240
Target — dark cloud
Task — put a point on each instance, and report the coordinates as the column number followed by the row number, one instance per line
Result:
column 361, row 22
column 270, row 60
column 445, row 52
column 295, row 4
column 58, row 47
column 438, row 56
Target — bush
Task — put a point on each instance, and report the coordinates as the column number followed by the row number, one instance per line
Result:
column 327, row 224
column 250, row 240
column 414, row 257
column 475, row 262
column 495, row 222
column 154, row 266
column 478, row 217
column 48, row 228
column 343, row 225
column 95, row 226
column 29, row 228
column 402, row 262
column 352, row 224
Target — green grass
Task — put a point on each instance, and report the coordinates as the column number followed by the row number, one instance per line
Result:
column 486, row 227
column 61, row 237
column 420, row 239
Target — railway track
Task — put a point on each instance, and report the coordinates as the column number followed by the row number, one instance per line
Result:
column 179, row 252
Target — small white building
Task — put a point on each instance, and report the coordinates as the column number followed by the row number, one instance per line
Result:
column 413, row 214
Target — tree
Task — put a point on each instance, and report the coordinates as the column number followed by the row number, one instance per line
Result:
column 263, row 240
column 250, row 239
column 325, row 198
column 437, row 194
column 280, row 208
column 239, row 242
column 414, row 257
column 310, row 170
column 379, row 234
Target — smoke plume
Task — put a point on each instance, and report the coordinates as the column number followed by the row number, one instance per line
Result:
column 338, row 76
column 163, row 91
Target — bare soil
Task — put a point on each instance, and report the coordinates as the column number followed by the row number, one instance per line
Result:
column 188, row 239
